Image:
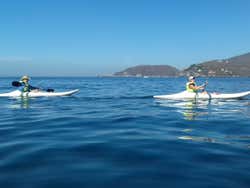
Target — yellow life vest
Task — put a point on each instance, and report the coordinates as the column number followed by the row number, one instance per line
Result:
column 188, row 88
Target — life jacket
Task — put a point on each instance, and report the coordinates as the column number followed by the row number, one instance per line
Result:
column 188, row 88
column 25, row 87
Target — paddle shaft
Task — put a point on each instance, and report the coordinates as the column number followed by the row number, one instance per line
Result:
column 18, row 84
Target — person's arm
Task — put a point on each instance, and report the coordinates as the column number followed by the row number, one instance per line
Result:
column 200, row 87
column 196, row 88
column 203, row 86
column 21, row 82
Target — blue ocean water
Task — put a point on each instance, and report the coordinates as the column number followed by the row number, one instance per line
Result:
column 114, row 134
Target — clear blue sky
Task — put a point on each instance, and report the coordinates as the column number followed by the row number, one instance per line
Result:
column 89, row 37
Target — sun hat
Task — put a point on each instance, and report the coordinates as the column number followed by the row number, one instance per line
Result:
column 25, row 78
column 191, row 78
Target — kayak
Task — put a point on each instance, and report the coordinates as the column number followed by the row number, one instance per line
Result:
column 189, row 95
column 18, row 93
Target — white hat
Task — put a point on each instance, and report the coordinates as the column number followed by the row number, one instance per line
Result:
column 25, row 78
column 191, row 78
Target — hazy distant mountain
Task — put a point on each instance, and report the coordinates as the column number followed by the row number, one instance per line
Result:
column 235, row 66
column 150, row 70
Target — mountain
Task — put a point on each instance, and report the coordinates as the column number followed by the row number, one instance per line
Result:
column 235, row 66
column 238, row 66
column 150, row 70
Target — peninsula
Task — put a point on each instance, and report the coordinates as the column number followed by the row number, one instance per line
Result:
column 238, row 66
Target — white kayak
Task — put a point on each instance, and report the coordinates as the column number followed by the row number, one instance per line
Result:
column 189, row 95
column 18, row 93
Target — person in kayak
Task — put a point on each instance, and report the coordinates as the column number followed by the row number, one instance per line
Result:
column 191, row 85
column 26, row 86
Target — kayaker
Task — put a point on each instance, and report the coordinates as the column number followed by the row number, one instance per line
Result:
column 191, row 85
column 26, row 86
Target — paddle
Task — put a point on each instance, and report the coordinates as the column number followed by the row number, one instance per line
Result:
column 18, row 84
column 204, row 86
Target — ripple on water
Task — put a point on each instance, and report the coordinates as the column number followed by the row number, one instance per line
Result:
column 114, row 134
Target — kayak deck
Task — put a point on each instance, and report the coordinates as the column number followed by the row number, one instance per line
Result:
column 18, row 93
column 190, row 95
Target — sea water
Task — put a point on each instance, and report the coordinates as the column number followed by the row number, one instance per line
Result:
column 114, row 134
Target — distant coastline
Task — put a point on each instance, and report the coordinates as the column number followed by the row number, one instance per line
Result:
column 238, row 66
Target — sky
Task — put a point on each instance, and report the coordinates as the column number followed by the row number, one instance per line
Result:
column 91, row 37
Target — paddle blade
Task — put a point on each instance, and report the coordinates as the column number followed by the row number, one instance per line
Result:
column 16, row 84
column 50, row 90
